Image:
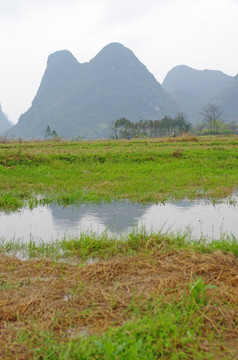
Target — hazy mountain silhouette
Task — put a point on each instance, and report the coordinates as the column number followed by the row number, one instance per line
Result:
column 78, row 99
column 4, row 122
column 115, row 216
column 192, row 89
column 227, row 99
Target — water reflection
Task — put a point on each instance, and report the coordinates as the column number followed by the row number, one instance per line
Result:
column 202, row 219
column 116, row 216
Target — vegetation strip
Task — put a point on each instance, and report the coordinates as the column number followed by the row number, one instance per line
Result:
column 144, row 170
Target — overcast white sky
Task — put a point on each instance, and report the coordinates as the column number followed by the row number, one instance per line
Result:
column 202, row 34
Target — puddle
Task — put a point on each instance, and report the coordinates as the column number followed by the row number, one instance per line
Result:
column 92, row 261
column 52, row 222
column 79, row 332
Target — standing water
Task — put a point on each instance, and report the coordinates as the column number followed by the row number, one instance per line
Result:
column 202, row 219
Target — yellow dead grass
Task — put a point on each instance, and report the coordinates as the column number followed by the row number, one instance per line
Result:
column 74, row 300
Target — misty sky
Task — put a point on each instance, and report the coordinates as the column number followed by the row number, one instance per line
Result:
column 161, row 33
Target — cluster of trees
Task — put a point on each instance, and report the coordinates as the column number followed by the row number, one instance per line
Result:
column 211, row 124
column 124, row 128
column 48, row 134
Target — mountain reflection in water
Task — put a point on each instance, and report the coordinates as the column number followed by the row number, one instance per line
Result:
column 53, row 222
column 115, row 216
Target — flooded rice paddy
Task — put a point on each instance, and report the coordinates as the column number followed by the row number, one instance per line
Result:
column 201, row 219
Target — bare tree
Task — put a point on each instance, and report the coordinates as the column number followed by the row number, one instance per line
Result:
column 211, row 114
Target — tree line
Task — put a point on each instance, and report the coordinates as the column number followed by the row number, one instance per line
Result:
column 124, row 128
column 211, row 124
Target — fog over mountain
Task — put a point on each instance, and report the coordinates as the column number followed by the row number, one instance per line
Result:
column 4, row 122
column 82, row 99
column 192, row 89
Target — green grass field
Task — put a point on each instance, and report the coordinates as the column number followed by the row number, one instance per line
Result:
column 140, row 170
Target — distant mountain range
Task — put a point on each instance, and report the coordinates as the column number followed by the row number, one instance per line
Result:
column 82, row 99
column 193, row 89
column 4, row 122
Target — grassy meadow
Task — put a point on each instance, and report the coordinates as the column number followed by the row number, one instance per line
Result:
column 141, row 296
column 139, row 170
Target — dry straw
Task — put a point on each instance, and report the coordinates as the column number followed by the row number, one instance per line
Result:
column 76, row 301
